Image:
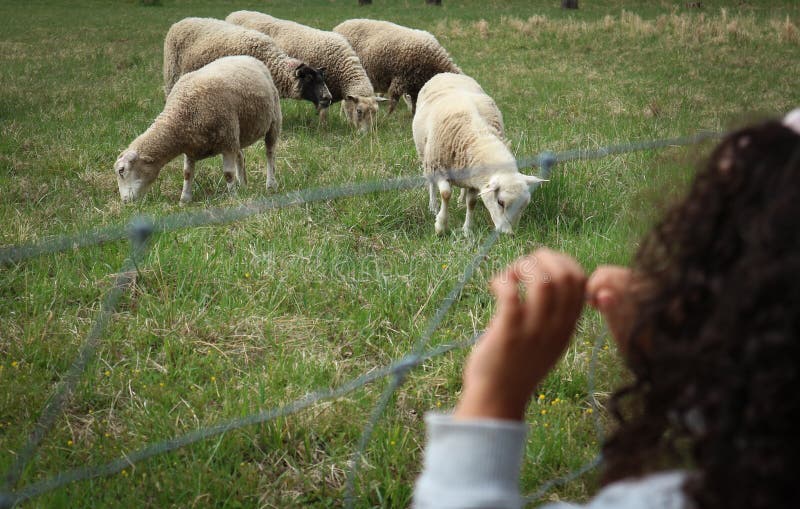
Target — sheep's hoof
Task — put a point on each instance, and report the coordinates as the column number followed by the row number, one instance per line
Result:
column 185, row 201
column 272, row 184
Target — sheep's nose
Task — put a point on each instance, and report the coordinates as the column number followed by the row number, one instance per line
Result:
column 505, row 228
column 325, row 102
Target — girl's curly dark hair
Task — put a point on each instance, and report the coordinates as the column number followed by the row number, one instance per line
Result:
column 715, row 351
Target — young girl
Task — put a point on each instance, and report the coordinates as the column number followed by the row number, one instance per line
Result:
column 708, row 321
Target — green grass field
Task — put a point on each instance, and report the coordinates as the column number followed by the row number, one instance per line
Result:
column 226, row 321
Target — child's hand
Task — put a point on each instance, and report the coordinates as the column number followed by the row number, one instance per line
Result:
column 526, row 336
column 611, row 290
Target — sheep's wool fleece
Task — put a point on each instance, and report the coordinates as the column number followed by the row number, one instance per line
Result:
column 457, row 125
column 194, row 42
column 344, row 73
column 226, row 105
column 391, row 52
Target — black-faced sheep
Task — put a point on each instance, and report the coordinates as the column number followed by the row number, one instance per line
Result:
column 344, row 74
column 398, row 60
column 221, row 108
column 194, row 42
column 458, row 133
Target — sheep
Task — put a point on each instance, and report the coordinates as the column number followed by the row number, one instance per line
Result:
column 194, row 42
column 398, row 60
column 344, row 75
column 221, row 108
column 457, row 126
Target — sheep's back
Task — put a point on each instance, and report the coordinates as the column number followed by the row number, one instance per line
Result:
column 388, row 50
column 228, row 103
column 460, row 124
column 195, row 42
column 344, row 73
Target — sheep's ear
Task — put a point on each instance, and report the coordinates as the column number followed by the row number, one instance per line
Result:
column 532, row 179
column 321, row 69
column 380, row 99
column 491, row 187
column 352, row 98
column 293, row 63
column 147, row 160
column 298, row 71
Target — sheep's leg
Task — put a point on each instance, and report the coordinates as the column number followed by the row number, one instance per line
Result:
column 441, row 218
column 323, row 115
column 432, row 198
column 471, row 199
column 462, row 194
column 270, row 141
column 188, row 175
column 241, row 175
column 229, row 169
column 395, row 92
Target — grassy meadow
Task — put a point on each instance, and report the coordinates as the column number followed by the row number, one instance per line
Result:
column 225, row 321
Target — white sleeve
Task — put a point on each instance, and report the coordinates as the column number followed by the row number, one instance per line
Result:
column 663, row 490
column 475, row 464
column 470, row 464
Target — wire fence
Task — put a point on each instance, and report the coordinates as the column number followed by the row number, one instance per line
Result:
column 139, row 232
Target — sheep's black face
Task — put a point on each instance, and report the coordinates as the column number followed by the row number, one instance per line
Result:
column 312, row 86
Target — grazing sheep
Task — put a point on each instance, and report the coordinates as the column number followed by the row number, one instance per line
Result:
column 194, row 42
column 221, row 108
column 344, row 75
column 398, row 60
column 458, row 127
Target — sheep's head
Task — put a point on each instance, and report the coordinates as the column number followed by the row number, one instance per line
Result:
column 135, row 173
column 312, row 85
column 361, row 111
column 506, row 195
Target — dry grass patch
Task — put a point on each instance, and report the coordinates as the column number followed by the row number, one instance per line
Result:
column 786, row 29
column 685, row 28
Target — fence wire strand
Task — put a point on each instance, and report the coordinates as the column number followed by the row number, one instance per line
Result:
column 545, row 165
column 129, row 460
column 140, row 230
column 52, row 409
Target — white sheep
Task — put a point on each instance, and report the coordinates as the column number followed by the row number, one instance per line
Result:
column 458, row 133
column 194, row 42
column 398, row 60
column 221, row 108
column 346, row 78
